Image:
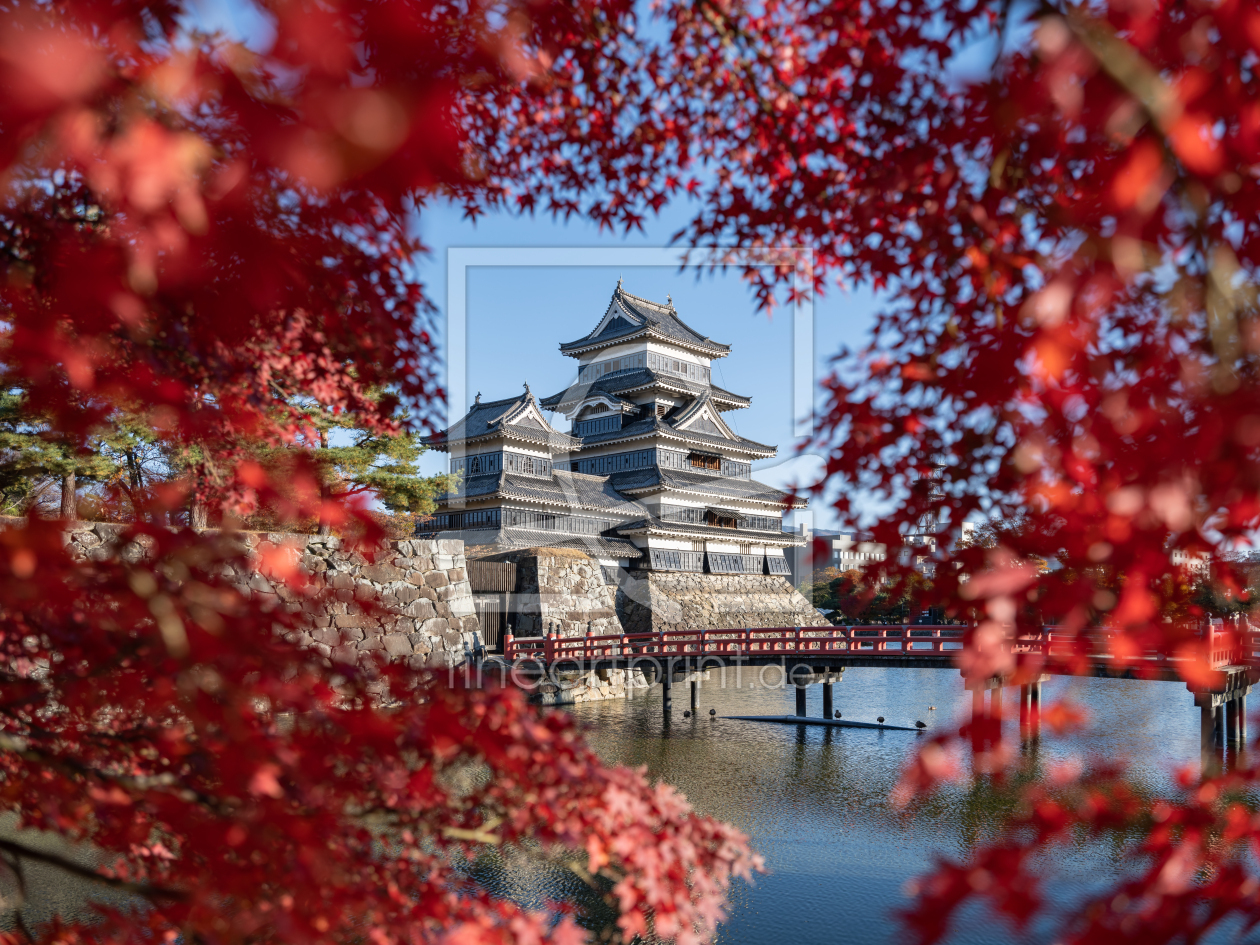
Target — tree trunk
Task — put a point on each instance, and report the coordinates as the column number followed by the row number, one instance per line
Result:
column 69, row 497
column 197, row 516
column 136, row 495
column 325, row 526
column 137, row 482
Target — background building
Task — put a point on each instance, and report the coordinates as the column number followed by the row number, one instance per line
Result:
column 843, row 550
column 648, row 477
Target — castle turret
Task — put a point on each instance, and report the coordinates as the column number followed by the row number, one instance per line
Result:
column 649, row 456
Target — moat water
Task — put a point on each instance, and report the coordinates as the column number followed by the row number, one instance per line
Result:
column 815, row 800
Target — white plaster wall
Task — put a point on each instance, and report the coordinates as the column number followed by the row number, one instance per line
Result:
column 656, row 347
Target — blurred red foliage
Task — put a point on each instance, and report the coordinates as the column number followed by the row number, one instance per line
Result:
column 1059, row 206
column 213, row 234
column 1062, row 222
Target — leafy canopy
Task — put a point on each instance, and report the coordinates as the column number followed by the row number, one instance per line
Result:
column 1066, row 241
column 219, row 240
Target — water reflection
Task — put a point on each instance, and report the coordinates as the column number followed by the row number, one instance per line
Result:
column 815, row 800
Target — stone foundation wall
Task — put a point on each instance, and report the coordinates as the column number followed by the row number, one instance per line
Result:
column 421, row 587
column 573, row 687
column 561, row 591
column 671, row 600
column 593, row 686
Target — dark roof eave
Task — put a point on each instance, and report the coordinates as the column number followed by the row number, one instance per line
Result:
column 560, row 503
column 605, row 546
column 668, row 432
column 677, row 385
column 574, row 348
column 745, row 536
column 569, row 442
column 668, row 487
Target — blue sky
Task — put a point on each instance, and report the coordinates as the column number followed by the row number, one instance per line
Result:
column 517, row 316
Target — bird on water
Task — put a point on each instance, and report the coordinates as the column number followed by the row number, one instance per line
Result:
column 880, row 720
column 919, row 725
column 713, row 712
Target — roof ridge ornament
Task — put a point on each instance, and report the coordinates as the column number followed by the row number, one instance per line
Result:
column 478, row 398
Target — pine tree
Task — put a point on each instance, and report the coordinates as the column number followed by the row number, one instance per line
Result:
column 357, row 464
column 37, row 463
column 141, row 459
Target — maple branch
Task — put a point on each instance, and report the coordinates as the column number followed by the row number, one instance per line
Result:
column 70, row 768
column 83, row 872
column 20, row 921
column 1127, row 67
column 726, row 28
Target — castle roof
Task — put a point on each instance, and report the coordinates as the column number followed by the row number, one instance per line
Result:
column 564, row 489
column 666, row 429
column 629, row 316
column 600, row 546
column 518, row 418
column 629, row 382
column 648, row 481
column 655, row 526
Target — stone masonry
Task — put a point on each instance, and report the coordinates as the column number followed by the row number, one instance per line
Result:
column 421, row 586
column 683, row 601
column 562, row 591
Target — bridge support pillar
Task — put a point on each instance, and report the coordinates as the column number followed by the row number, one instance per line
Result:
column 667, row 689
column 828, row 704
column 1207, row 739
column 1242, row 720
column 1025, row 712
column 977, row 715
column 1231, row 723
column 695, row 693
column 1218, row 725
column 800, row 701
column 1034, row 710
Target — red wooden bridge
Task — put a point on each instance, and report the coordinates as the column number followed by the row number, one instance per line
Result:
column 1052, row 650
column 1218, row 661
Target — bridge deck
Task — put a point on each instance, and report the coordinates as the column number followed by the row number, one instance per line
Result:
column 1052, row 650
column 1219, row 666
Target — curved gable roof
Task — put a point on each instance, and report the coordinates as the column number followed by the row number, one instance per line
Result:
column 703, row 415
column 515, row 418
column 629, row 315
column 639, row 379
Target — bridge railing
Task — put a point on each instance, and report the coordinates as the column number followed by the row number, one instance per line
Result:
column 1227, row 643
column 910, row 639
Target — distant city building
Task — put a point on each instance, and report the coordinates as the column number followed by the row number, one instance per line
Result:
column 851, row 552
column 1196, row 563
column 649, row 475
column 841, row 550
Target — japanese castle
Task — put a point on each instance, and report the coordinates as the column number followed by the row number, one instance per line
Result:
column 649, row 476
